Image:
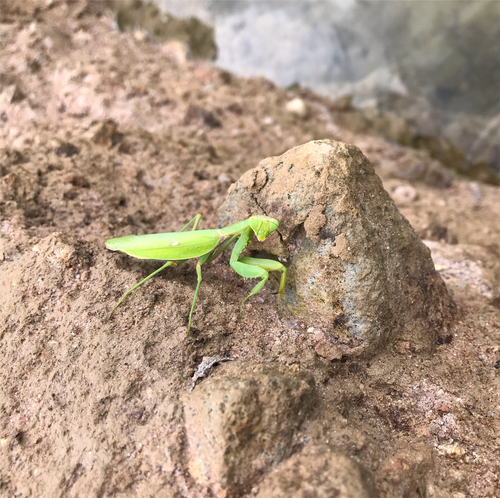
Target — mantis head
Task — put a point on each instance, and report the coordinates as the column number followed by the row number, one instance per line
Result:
column 262, row 226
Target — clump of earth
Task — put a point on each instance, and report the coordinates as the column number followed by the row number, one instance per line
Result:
column 104, row 134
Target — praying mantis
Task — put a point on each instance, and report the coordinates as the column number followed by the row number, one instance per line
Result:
column 177, row 247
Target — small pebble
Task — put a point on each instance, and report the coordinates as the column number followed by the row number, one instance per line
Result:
column 475, row 191
column 297, row 107
column 223, row 178
column 404, row 193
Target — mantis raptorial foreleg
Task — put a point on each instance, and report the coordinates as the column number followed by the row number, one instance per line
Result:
column 258, row 268
column 268, row 265
column 253, row 267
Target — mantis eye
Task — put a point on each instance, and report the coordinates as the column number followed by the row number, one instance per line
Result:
column 263, row 226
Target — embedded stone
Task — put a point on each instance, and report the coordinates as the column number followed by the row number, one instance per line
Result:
column 321, row 475
column 241, row 424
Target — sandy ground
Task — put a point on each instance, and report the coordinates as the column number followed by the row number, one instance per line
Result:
column 103, row 134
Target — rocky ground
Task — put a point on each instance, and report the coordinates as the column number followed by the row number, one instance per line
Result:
column 103, row 134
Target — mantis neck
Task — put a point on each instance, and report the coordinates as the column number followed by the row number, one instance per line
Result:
column 239, row 227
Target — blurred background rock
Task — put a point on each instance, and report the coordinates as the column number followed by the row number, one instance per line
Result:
column 423, row 74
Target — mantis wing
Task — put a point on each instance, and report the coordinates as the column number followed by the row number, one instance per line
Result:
column 167, row 246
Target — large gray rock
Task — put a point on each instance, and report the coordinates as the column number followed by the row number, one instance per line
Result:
column 357, row 269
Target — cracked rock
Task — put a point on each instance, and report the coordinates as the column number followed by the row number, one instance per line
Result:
column 356, row 267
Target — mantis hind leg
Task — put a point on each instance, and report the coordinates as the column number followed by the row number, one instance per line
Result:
column 168, row 263
column 196, row 221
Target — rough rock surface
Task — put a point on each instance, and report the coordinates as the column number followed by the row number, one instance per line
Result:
column 240, row 425
column 356, row 266
column 319, row 473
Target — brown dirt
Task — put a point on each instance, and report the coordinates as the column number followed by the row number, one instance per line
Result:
column 104, row 134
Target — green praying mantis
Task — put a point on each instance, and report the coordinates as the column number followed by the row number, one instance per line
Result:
column 177, row 247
